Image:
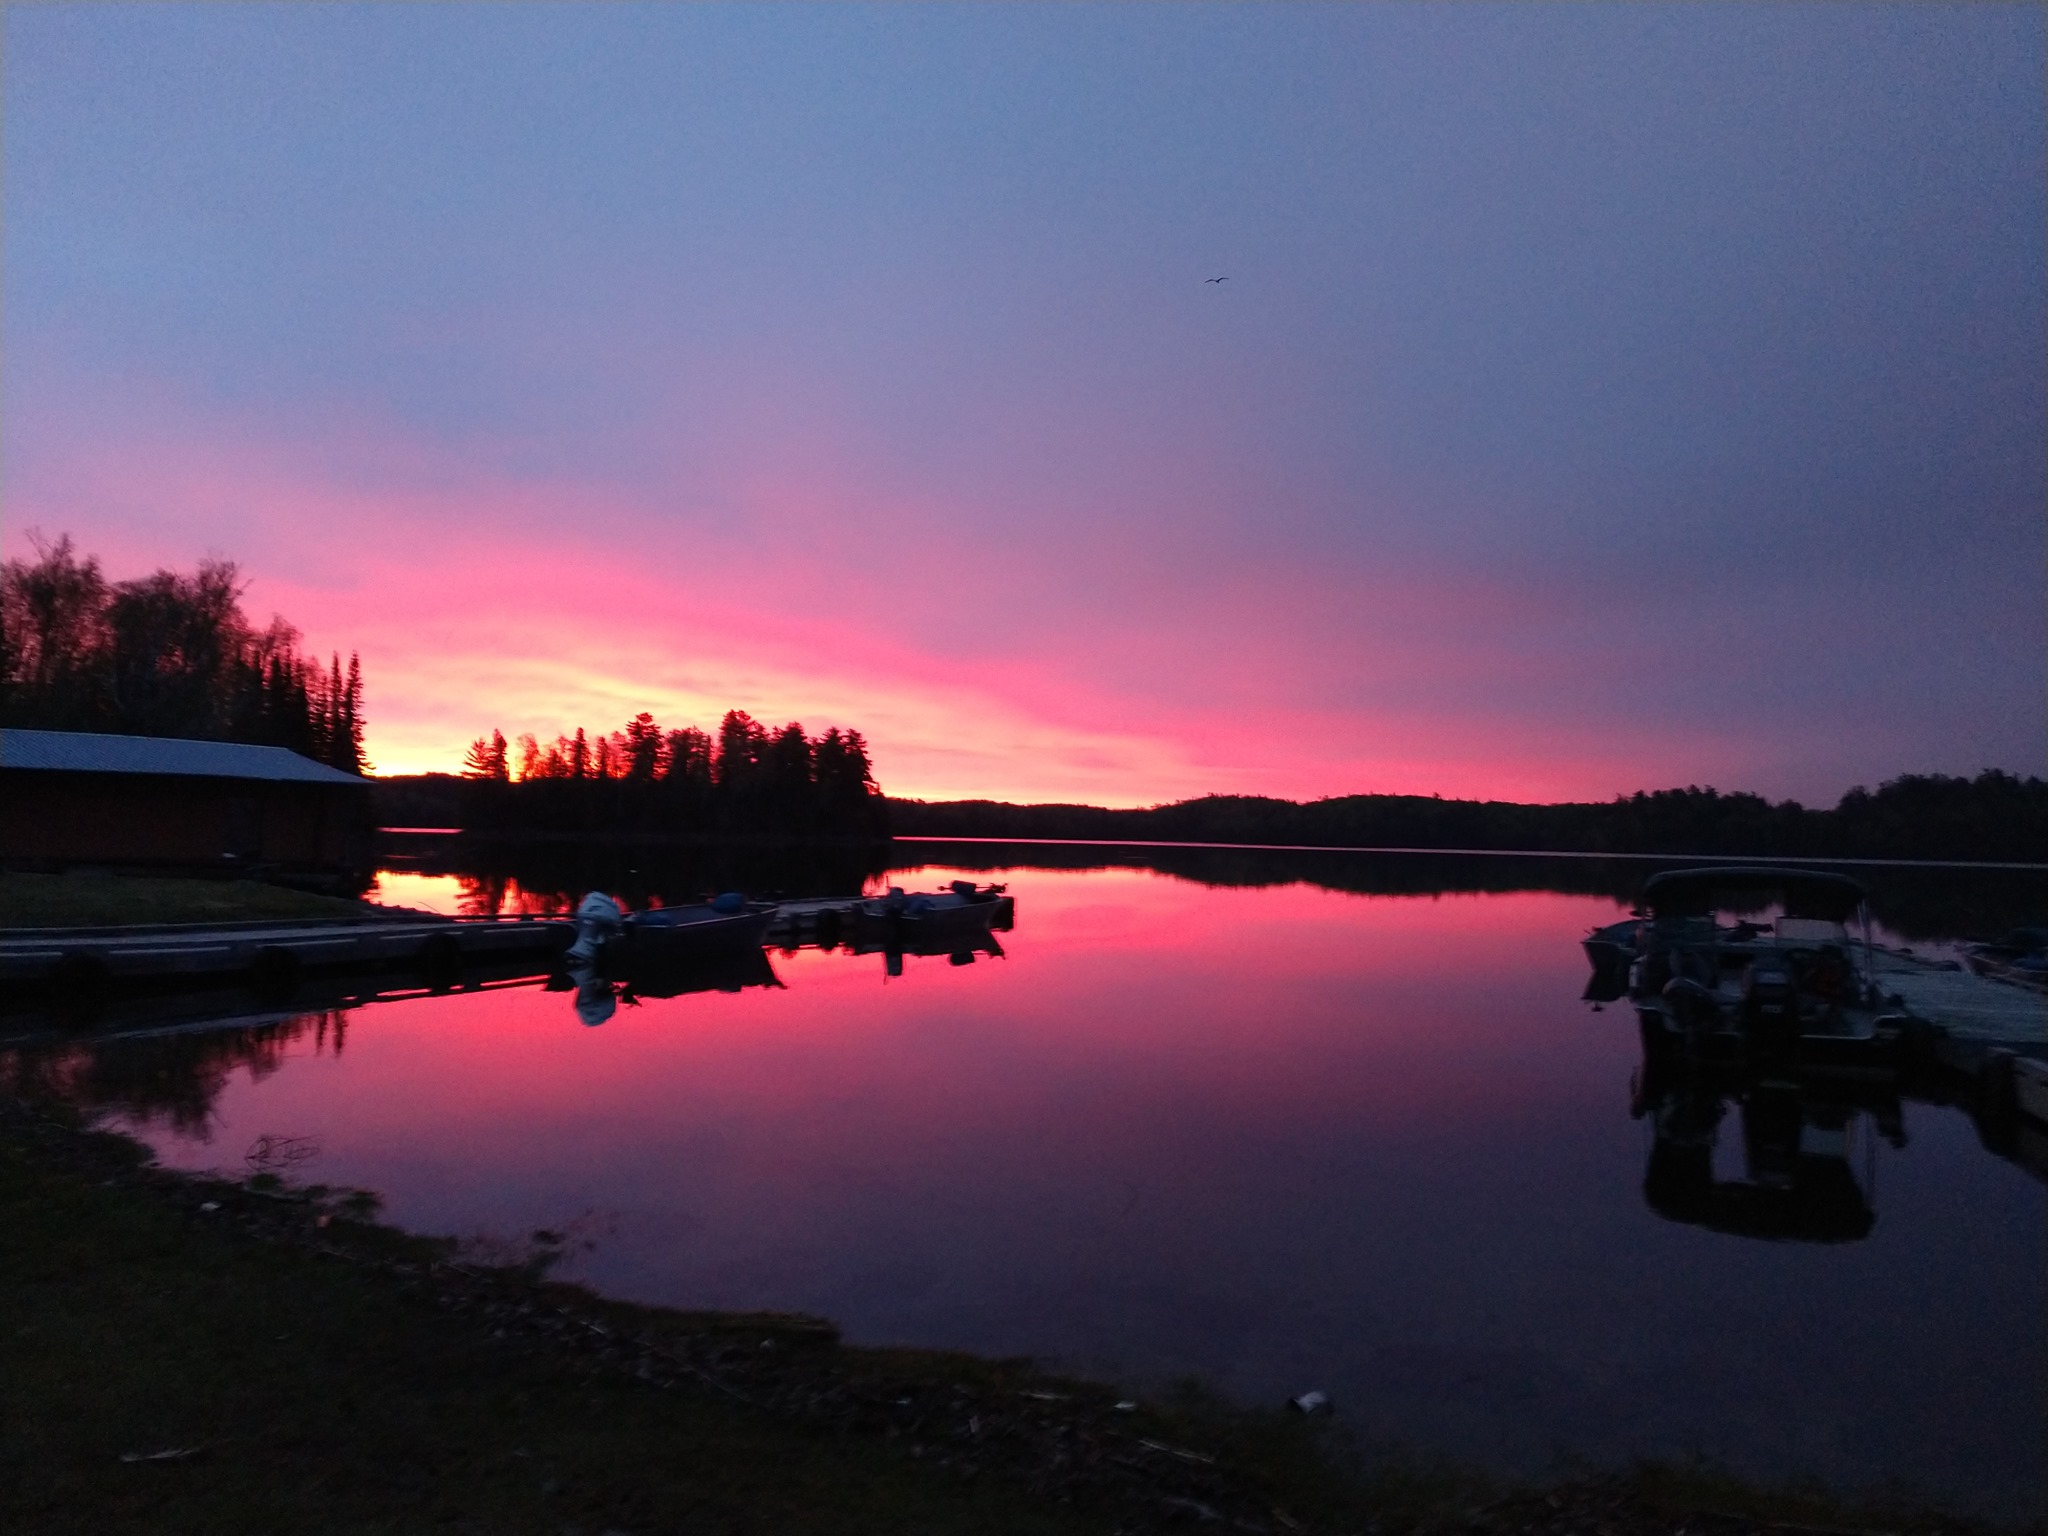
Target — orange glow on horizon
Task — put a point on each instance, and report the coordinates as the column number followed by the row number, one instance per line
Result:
column 474, row 608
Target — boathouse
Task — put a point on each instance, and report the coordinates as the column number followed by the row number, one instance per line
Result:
column 71, row 799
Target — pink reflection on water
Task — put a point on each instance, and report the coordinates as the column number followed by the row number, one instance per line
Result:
column 422, row 893
column 1321, row 1000
column 1280, row 1137
column 461, row 895
column 1139, row 1031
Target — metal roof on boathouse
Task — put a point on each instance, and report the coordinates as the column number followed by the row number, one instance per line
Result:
column 175, row 757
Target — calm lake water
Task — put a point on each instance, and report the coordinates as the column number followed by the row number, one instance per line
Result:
column 1278, row 1137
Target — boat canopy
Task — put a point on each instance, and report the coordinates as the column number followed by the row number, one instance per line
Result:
column 1804, row 892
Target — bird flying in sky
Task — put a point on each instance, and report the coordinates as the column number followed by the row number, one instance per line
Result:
column 1215, row 280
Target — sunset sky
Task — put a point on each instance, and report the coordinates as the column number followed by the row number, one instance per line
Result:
column 1601, row 397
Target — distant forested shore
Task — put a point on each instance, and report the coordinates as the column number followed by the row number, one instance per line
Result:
column 1996, row 816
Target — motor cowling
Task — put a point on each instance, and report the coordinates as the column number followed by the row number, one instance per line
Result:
column 1768, row 990
column 598, row 921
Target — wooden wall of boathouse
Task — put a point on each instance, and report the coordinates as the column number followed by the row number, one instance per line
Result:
column 303, row 829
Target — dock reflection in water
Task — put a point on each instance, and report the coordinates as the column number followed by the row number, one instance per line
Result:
column 1275, row 1135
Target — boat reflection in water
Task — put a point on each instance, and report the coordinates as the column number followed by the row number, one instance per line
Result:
column 1799, row 1144
column 1781, row 1023
column 957, row 949
column 600, row 992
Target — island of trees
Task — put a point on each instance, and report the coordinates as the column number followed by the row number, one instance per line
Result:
column 646, row 780
column 169, row 654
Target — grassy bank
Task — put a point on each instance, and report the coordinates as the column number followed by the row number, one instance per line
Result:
column 185, row 1354
column 91, row 901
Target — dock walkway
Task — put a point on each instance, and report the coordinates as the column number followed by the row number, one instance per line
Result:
column 1972, row 1016
column 179, row 951
column 277, row 949
column 813, row 920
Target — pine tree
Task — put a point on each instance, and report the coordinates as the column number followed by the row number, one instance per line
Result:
column 168, row 654
column 336, row 737
column 643, row 745
column 352, row 719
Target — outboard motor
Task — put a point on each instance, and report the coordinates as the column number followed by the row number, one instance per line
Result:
column 598, row 921
column 1770, row 1004
column 596, row 999
column 1769, row 994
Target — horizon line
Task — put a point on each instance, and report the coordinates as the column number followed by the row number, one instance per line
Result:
column 1508, row 853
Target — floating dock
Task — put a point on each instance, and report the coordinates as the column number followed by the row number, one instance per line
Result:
column 274, row 951
column 821, row 921
column 1966, row 1017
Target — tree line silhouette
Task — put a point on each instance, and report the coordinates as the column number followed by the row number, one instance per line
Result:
column 167, row 654
column 1917, row 904
column 1996, row 816
column 645, row 779
column 173, row 1078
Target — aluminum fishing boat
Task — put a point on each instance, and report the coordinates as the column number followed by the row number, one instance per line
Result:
column 612, row 939
column 932, row 920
